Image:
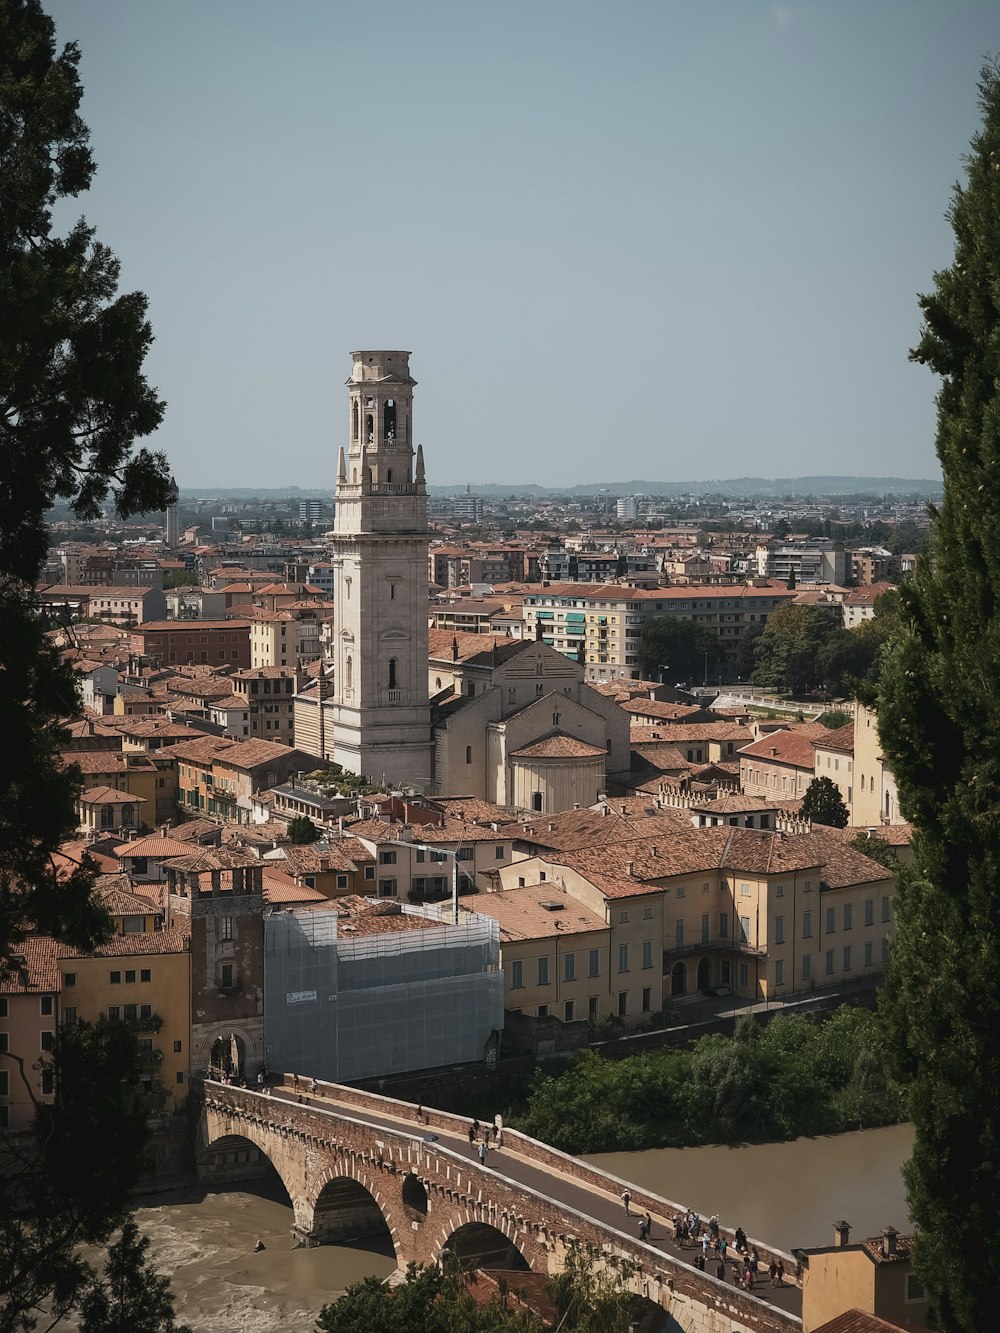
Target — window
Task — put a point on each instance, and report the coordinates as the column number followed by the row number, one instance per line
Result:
column 179, row 1076
column 848, row 916
column 914, row 1289
column 847, row 958
column 829, row 962
column 886, row 916
column 543, row 1011
column 517, row 974
column 46, row 1006
column 806, row 966
column 130, row 977
column 647, row 953
column 130, row 1013
column 468, row 754
column 369, row 872
column 743, row 973
column 869, row 953
column 679, row 933
column 227, row 976
column 744, row 929
column 145, row 975
column 623, row 958
column 869, row 911
column 48, row 1086
column 227, row 928
column 779, row 930
column 594, row 963
column 387, row 858
column 807, row 925
column 779, row 892
column 69, row 1016
column 680, row 890
column 177, row 1047
column 114, row 1013
column 569, row 967
column 145, row 1012
column 623, row 918
column 568, row 1011
column 779, row 972
column 116, row 978
column 543, row 971
column 724, row 925
column 831, row 920
column 69, row 979
column 4, row 1083
column 744, row 890
column 622, row 1003
column 48, row 1041
column 592, row 1008
column 647, row 914
column 498, row 853
column 387, row 888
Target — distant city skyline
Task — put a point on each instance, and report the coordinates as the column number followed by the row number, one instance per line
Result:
column 660, row 240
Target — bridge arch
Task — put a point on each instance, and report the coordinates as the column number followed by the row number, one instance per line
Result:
column 224, row 1140
column 484, row 1239
column 348, row 1203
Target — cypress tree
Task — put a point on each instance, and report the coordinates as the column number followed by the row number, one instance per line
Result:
column 939, row 722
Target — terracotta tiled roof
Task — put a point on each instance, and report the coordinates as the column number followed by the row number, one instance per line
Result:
column 281, row 888
column 860, row 1321
column 521, row 915
column 153, row 846
column 134, row 945
column 39, row 972
column 473, row 649
column 559, row 746
column 791, row 747
column 237, row 754
column 840, row 738
column 118, row 895
column 109, row 796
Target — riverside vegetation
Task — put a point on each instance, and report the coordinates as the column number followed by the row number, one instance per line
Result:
column 791, row 1077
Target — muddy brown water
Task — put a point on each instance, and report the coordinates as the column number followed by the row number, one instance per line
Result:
column 788, row 1194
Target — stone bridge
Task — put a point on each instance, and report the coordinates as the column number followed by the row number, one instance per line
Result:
column 355, row 1164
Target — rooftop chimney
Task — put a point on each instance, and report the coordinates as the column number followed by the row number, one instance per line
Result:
column 629, row 867
column 841, row 1234
column 889, row 1235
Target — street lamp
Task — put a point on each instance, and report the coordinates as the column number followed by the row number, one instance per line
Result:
column 442, row 851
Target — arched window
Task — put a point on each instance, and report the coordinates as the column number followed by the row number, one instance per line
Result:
column 468, row 754
column 354, row 420
column 370, row 428
column 392, row 673
column 389, row 420
column 392, row 586
column 536, row 801
column 354, row 476
column 388, row 475
column 349, row 672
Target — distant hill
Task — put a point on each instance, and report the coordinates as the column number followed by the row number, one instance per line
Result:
column 734, row 487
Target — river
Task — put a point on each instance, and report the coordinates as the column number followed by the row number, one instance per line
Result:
column 787, row 1193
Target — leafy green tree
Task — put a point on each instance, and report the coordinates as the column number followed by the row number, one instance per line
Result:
column 73, row 400
column 433, row 1299
column 302, row 830
column 877, row 849
column 133, row 1297
column 73, row 403
column 72, row 1184
column 834, row 718
column 939, row 723
column 682, row 649
column 823, row 803
column 786, row 655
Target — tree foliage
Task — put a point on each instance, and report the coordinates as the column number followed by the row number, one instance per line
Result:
column 939, row 723
column 132, row 1297
column 301, row 830
column 802, row 648
column 793, row 1076
column 73, row 400
column 823, row 803
column 681, row 650
column 71, row 1185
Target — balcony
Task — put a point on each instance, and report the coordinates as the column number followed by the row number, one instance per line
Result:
column 715, row 944
column 392, row 696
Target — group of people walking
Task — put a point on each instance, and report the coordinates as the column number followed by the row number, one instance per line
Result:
column 487, row 1136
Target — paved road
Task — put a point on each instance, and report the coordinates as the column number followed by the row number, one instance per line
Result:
column 605, row 1208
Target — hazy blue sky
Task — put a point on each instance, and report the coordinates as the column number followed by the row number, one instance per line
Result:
column 661, row 239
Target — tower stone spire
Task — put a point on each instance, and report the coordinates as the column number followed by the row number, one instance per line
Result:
column 381, row 709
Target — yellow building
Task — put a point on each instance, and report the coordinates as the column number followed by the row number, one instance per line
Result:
column 875, row 1276
column 29, row 996
column 141, row 976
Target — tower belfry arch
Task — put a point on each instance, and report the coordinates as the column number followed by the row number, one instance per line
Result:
column 381, row 709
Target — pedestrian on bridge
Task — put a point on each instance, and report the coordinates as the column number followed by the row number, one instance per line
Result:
column 626, row 1200
column 482, row 1154
column 472, row 1134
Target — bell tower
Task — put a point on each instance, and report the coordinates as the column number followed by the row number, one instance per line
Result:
column 381, row 711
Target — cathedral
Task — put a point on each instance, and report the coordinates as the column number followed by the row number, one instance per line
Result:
column 506, row 720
